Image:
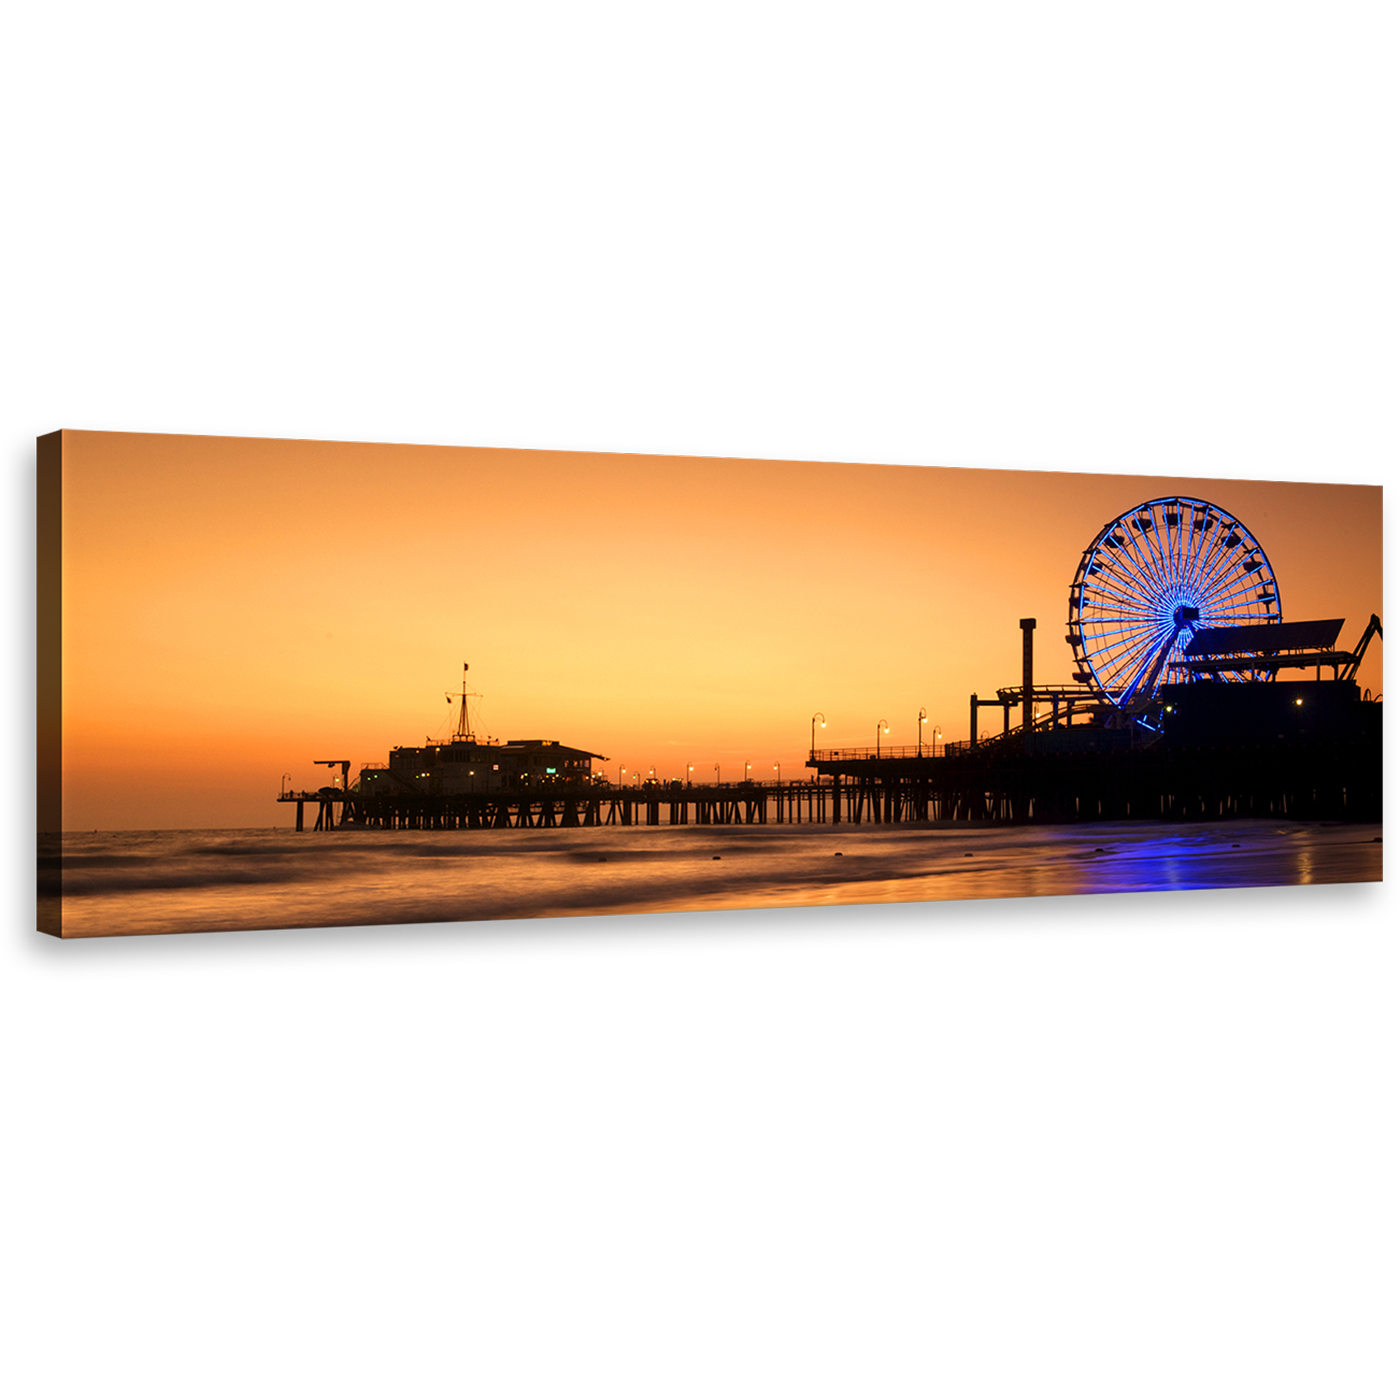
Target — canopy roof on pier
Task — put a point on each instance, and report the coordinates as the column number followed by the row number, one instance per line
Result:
column 1264, row 637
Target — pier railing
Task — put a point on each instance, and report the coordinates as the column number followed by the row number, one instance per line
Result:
column 886, row 751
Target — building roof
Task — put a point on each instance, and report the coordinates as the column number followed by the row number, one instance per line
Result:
column 553, row 746
column 512, row 748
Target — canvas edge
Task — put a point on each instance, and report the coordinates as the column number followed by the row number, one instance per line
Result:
column 49, row 699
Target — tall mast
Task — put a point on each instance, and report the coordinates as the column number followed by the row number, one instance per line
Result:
column 464, row 731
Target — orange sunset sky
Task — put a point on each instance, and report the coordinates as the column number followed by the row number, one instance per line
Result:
column 235, row 608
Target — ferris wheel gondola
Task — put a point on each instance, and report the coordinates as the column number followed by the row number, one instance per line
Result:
column 1149, row 580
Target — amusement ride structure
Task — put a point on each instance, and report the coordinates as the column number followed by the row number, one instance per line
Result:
column 1149, row 581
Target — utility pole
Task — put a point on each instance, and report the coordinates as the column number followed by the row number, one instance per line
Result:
column 1027, row 683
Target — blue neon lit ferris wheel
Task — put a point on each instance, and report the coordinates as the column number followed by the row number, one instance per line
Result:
column 1149, row 580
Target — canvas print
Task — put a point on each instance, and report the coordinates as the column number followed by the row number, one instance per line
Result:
column 313, row 684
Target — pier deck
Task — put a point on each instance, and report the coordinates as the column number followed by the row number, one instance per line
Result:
column 569, row 805
column 1005, row 782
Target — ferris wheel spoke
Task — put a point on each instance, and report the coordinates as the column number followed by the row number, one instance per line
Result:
column 1143, row 582
column 1119, row 604
column 1142, row 652
column 1125, row 640
column 1120, row 590
column 1213, row 564
column 1227, row 561
column 1204, row 527
column 1222, row 569
column 1187, row 554
column 1148, row 557
column 1150, row 552
column 1118, row 546
column 1210, row 554
column 1222, row 564
column 1250, row 586
column 1129, row 588
column 1111, row 645
column 1125, row 636
column 1103, row 569
column 1103, row 632
column 1214, row 590
column 1136, row 573
column 1111, row 562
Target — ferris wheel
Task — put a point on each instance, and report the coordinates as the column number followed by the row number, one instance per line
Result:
column 1149, row 580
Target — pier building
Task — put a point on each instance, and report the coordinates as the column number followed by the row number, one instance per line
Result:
column 465, row 766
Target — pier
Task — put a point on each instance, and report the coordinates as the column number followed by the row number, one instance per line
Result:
column 574, row 805
column 1247, row 745
column 1018, row 778
column 1024, row 778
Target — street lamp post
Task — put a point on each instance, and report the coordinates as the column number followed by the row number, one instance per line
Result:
column 923, row 720
column 747, row 766
column 815, row 718
column 778, row 769
column 884, row 724
column 689, row 769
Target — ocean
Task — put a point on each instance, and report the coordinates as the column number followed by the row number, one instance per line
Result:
column 132, row 882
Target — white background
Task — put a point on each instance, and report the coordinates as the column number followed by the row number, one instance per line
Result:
column 1166, row 233
column 1166, row 1169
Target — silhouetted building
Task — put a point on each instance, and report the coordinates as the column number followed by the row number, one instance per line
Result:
column 1264, row 712
column 464, row 765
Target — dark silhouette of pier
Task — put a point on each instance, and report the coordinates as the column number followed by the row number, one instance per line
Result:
column 1019, row 777
column 574, row 805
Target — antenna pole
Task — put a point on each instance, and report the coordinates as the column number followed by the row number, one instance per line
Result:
column 463, row 727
